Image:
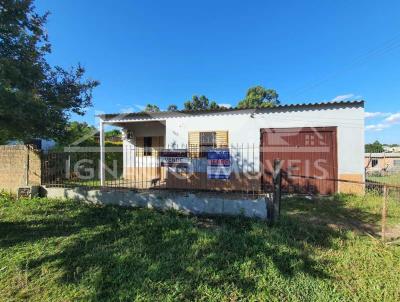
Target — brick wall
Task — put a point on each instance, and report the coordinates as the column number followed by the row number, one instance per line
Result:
column 19, row 165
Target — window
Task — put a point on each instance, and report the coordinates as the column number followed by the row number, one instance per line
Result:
column 147, row 144
column 129, row 134
column 207, row 141
column 374, row 162
column 396, row 162
column 200, row 142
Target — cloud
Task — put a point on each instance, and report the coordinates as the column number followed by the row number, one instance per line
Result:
column 127, row 110
column 225, row 105
column 344, row 97
column 393, row 118
column 376, row 114
column 140, row 107
column 377, row 127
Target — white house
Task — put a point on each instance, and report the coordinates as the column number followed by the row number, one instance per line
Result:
column 316, row 144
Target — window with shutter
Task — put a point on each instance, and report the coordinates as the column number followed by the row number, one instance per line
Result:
column 200, row 142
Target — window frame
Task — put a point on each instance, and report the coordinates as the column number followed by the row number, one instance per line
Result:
column 205, row 146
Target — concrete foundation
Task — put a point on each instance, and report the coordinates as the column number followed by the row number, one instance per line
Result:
column 201, row 203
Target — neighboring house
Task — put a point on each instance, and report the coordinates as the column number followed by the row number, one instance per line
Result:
column 322, row 140
column 382, row 162
column 391, row 149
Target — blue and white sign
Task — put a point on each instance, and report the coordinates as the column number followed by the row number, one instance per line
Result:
column 218, row 164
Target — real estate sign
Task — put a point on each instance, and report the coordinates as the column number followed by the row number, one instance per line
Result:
column 174, row 159
column 218, row 164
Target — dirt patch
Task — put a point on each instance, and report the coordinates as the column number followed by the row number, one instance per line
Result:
column 206, row 223
column 343, row 223
column 392, row 232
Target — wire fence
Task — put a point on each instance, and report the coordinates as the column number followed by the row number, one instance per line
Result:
column 383, row 167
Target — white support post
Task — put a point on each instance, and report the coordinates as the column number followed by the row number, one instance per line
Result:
column 102, row 154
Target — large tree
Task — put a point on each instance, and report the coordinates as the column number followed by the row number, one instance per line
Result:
column 77, row 133
column 36, row 99
column 375, row 147
column 259, row 97
column 200, row 103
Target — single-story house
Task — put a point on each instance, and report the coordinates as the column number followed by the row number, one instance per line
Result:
column 395, row 149
column 316, row 143
column 382, row 163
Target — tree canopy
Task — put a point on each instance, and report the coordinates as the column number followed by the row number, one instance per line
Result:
column 259, row 97
column 36, row 99
column 151, row 108
column 375, row 147
column 200, row 103
column 77, row 133
column 172, row 108
column 112, row 133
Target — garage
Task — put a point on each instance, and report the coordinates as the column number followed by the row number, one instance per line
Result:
column 308, row 158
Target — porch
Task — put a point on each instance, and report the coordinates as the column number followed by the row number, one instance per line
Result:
column 142, row 142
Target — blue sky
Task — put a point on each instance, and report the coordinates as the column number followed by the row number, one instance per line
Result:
column 163, row 52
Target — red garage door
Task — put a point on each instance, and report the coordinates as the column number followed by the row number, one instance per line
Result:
column 308, row 159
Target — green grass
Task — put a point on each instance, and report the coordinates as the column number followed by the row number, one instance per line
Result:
column 62, row 251
column 389, row 179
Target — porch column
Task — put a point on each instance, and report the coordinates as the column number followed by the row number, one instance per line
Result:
column 102, row 153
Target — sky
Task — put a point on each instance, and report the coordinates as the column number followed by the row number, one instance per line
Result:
column 164, row 52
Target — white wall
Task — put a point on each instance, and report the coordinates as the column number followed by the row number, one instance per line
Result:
column 140, row 129
column 245, row 129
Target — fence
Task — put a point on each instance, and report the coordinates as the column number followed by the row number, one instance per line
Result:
column 233, row 169
column 189, row 167
column 383, row 167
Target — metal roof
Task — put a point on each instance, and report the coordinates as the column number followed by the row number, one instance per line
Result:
column 133, row 115
column 383, row 155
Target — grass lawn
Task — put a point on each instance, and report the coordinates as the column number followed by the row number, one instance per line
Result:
column 389, row 179
column 62, row 251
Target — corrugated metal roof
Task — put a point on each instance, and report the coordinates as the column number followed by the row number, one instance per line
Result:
column 383, row 155
column 132, row 115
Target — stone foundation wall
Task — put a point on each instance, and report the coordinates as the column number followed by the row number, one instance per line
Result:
column 191, row 203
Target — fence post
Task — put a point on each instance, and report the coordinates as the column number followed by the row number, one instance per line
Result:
column 384, row 213
column 102, row 154
column 68, row 164
column 277, row 180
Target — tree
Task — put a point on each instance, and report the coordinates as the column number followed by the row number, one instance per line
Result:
column 214, row 105
column 36, row 99
column 200, row 103
column 151, row 108
column 375, row 147
column 259, row 97
column 77, row 133
column 112, row 133
column 172, row 108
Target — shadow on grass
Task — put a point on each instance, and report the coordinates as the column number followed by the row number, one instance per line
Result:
column 125, row 253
